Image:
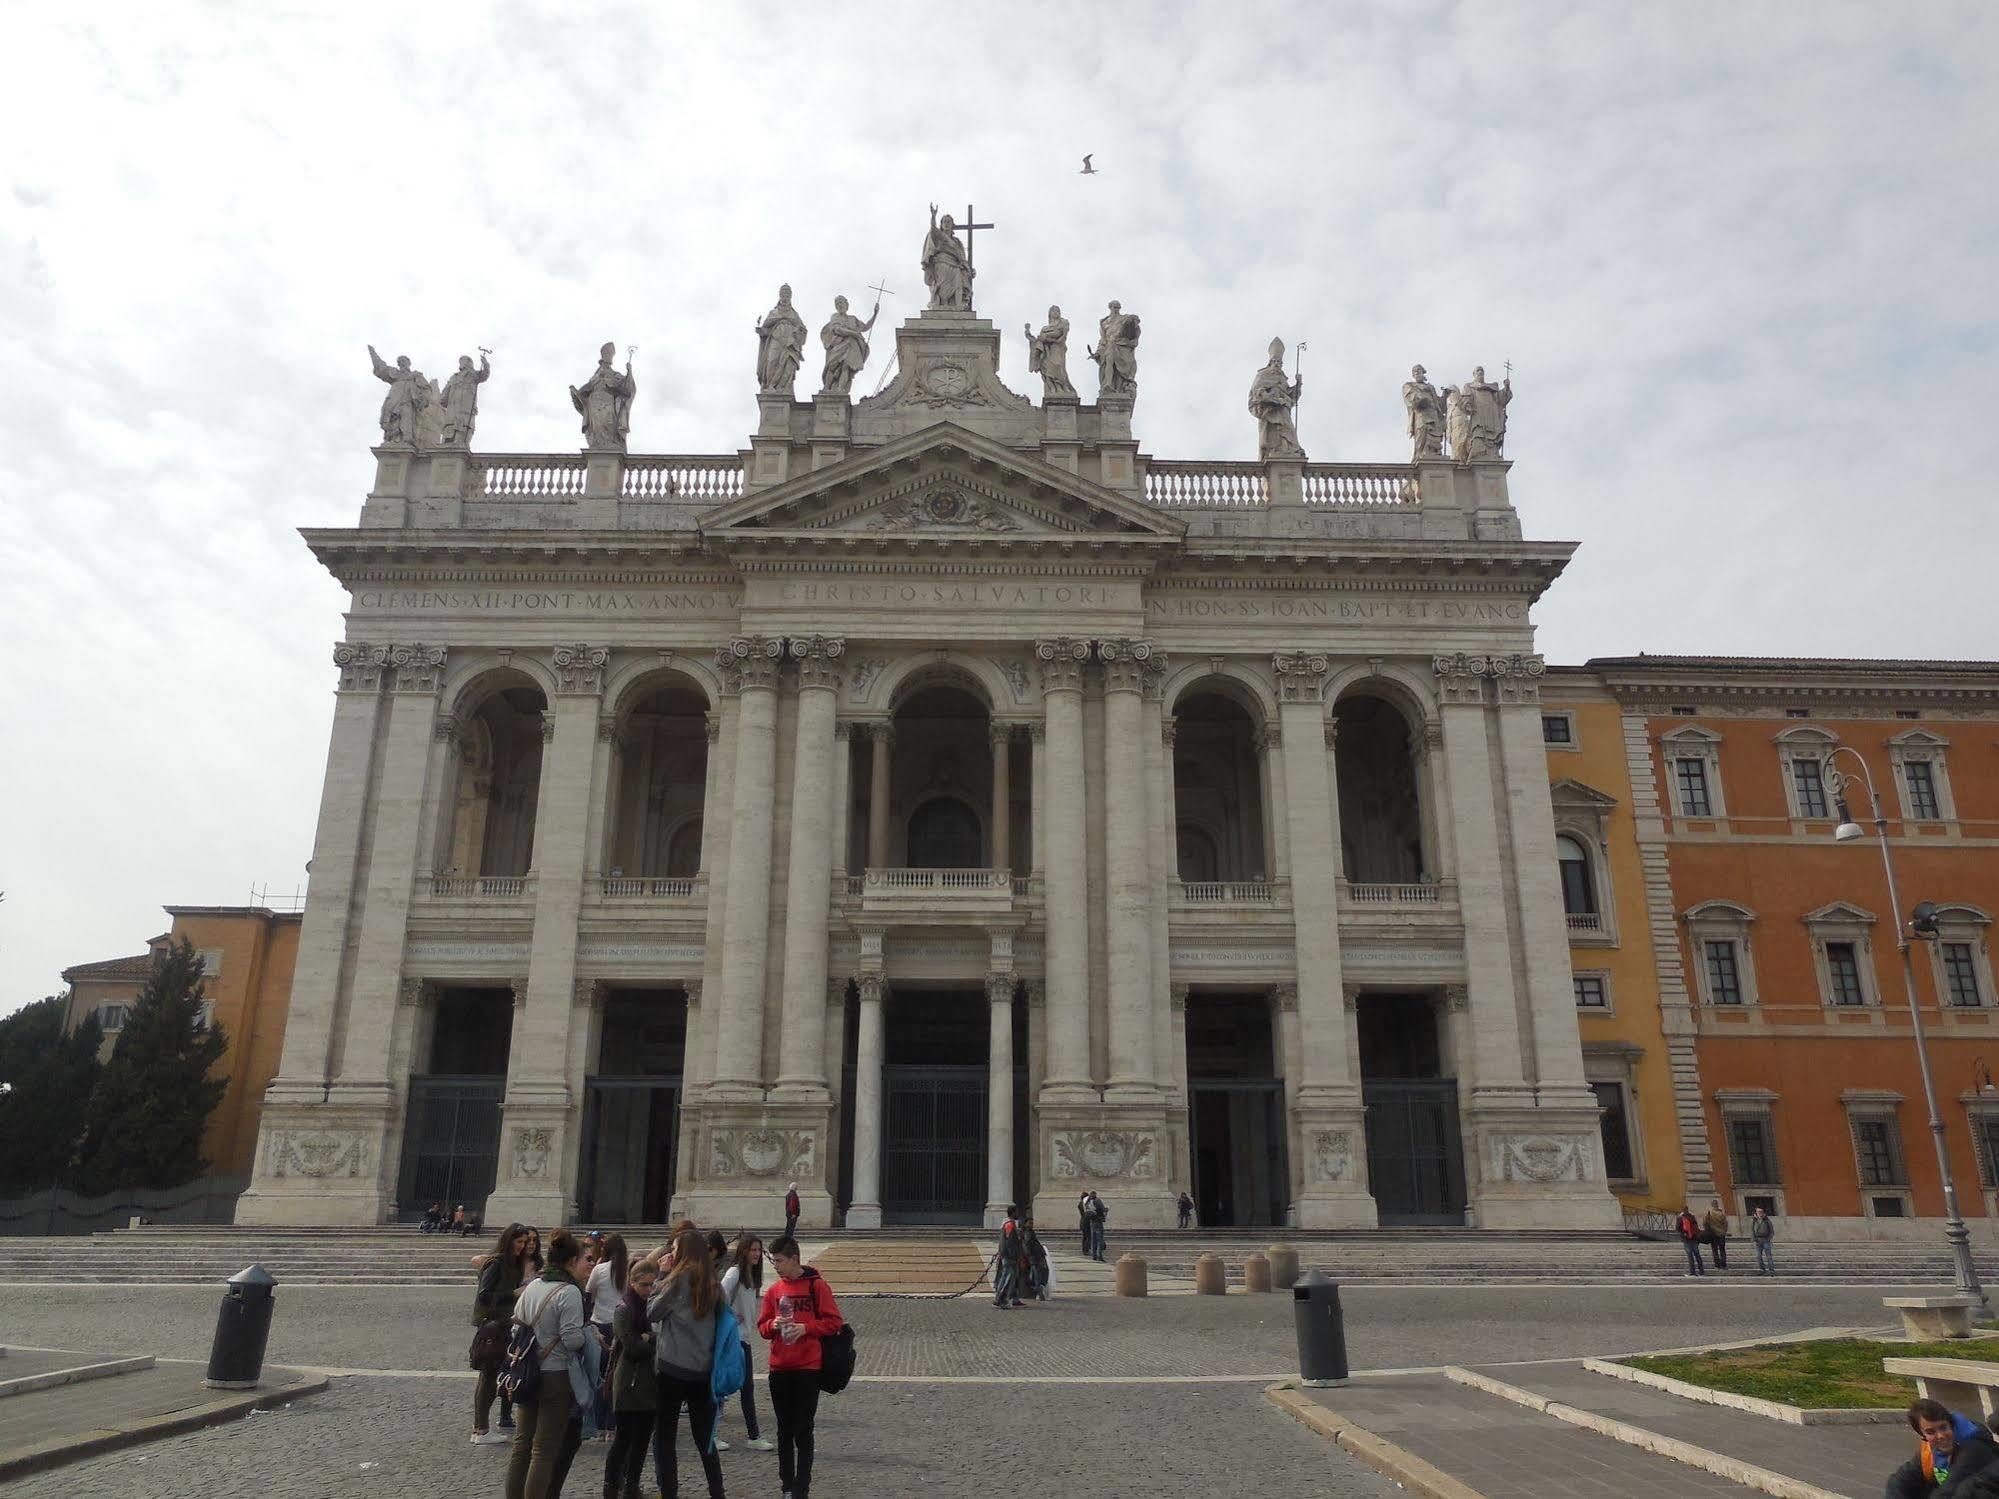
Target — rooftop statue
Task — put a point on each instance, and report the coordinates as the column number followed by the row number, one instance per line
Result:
column 846, row 347
column 1477, row 417
column 947, row 269
column 604, row 401
column 1048, row 356
column 404, row 406
column 1426, row 415
column 458, row 406
column 780, row 345
column 1272, row 401
column 1116, row 353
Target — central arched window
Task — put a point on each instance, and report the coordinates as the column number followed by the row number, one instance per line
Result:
column 944, row 834
column 1578, row 888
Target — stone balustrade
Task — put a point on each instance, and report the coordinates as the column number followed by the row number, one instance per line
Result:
column 527, row 476
column 480, row 886
column 1173, row 484
column 962, row 890
column 627, row 887
column 1226, row 892
column 700, row 477
column 1585, row 921
column 1391, row 895
column 1360, row 484
column 707, row 478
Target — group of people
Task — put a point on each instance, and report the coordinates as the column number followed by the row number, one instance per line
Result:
column 1020, row 1268
column 1091, row 1214
column 1712, row 1230
column 622, row 1344
column 457, row 1221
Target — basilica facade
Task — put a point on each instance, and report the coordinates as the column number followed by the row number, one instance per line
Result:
column 941, row 804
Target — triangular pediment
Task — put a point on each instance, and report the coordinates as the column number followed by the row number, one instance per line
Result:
column 1576, row 794
column 943, row 484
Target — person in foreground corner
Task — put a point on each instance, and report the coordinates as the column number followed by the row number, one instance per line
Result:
column 1954, row 1455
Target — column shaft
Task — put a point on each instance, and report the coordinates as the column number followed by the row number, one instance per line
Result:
column 1067, row 960
column 1482, row 891
column 1312, row 818
column 1128, row 877
column 999, row 1099
column 865, row 1209
column 746, row 922
column 801, row 1045
column 716, row 841
column 843, row 798
column 1002, row 738
column 878, row 768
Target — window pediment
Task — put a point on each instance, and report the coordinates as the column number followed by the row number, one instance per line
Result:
column 1839, row 914
column 1718, row 912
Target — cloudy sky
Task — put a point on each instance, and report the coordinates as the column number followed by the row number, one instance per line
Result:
column 1739, row 256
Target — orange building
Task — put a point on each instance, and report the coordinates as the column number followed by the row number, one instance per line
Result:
column 1780, row 989
column 247, row 954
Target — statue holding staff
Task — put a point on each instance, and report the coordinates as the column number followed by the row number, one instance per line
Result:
column 780, row 345
column 1048, row 356
column 1273, row 400
column 845, row 338
column 459, row 402
column 947, row 269
column 403, row 407
column 604, row 401
column 1426, row 415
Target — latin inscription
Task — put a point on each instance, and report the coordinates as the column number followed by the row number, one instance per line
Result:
column 950, row 595
column 1166, row 609
column 547, row 601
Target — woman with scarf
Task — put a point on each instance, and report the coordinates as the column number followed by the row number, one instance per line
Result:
column 500, row 1279
column 553, row 1306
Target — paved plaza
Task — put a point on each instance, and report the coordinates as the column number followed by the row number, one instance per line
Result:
column 1155, row 1397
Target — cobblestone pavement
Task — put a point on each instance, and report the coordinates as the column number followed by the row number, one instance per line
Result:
column 379, row 1436
column 1399, row 1327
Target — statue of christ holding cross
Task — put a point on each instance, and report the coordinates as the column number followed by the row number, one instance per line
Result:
column 947, row 268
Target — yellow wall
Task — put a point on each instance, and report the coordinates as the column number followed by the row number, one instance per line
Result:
column 1598, row 761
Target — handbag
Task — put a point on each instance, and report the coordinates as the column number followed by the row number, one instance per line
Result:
column 489, row 1345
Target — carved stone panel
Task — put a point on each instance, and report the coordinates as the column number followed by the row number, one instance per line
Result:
column 316, row 1153
column 533, row 1148
column 1106, row 1154
column 1541, row 1159
column 789, row 1153
column 1332, row 1155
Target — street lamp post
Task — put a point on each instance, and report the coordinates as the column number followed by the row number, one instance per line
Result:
column 1955, row 1232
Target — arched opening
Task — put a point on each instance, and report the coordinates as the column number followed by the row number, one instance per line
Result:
column 937, row 788
column 499, row 784
column 1381, row 820
column 1578, row 884
column 659, row 783
column 1218, row 809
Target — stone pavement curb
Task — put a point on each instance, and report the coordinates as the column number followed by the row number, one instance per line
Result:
column 66, row 1449
column 1755, row 1405
column 1782, row 1485
column 1407, row 1469
column 75, row 1374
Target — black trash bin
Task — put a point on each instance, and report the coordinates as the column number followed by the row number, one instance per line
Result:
column 243, row 1327
column 1322, row 1331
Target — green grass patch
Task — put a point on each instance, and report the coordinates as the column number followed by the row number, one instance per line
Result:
column 1832, row 1374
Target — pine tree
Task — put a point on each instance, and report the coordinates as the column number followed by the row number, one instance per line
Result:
column 49, row 1075
column 145, row 1120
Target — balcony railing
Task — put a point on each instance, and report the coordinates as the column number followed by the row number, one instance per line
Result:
column 626, row 887
column 479, row 886
column 701, row 477
column 984, row 881
column 1175, row 484
column 1227, row 892
column 1393, row 895
column 683, row 478
column 1585, row 921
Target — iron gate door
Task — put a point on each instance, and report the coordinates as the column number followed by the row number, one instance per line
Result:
column 451, row 1142
column 934, row 1145
column 631, row 1138
column 1415, row 1156
column 1248, row 1183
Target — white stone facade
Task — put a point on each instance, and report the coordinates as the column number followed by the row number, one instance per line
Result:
column 1066, row 597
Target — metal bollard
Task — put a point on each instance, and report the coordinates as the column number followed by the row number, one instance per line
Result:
column 242, row 1328
column 1283, row 1267
column 1256, row 1273
column 1322, row 1331
column 1210, row 1277
column 1128, row 1275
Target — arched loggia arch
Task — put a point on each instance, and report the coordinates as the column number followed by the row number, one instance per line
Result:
column 1221, row 803
column 498, row 718
column 659, row 776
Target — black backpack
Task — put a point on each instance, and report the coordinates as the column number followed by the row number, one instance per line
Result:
column 519, row 1379
column 836, row 1351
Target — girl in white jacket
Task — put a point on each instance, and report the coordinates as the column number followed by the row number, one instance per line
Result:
column 742, row 1289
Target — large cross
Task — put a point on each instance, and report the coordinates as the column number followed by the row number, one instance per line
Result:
column 968, row 226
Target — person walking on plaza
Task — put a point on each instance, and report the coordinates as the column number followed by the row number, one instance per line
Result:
column 552, row 1305
column 742, row 1289
column 1689, row 1230
column 500, row 1281
column 682, row 1313
column 602, row 1289
column 798, row 1310
column 1950, row 1449
column 634, row 1385
column 1714, row 1228
column 791, row 1210
column 1761, row 1232
column 1010, row 1265
column 1186, row 1210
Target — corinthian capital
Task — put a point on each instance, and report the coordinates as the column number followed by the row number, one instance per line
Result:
column 416, row 668
column 750, row 661
column 1461, row 678
column 1301, row 676
column 360, row 665
column 818, row 658
column 1061, row 661
column 579, row 669
column 1125, row 663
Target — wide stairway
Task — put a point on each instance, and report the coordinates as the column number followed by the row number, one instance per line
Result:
column 941, row 1261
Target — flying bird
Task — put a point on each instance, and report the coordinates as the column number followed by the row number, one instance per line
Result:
column 1088, row 170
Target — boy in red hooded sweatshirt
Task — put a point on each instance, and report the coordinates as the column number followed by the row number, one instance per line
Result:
column 797, row 1311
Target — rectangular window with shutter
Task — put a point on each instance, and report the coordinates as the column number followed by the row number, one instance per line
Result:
column 1616, row 1131
column 1985, row 1127
column 1808, row 778
column 1724, row 979
column 1921, row 778
column 1842, row 967
column 1692, row 778
column 1750, row 1156
column 1960, row 973
column 1590, row 993
column 1878, row 1152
